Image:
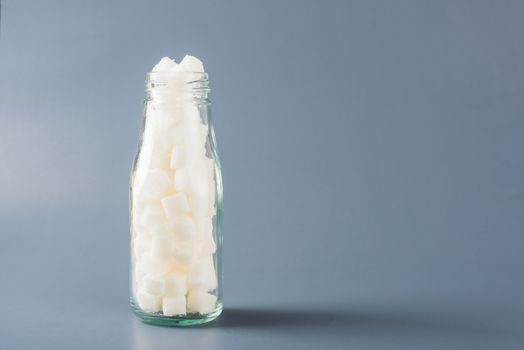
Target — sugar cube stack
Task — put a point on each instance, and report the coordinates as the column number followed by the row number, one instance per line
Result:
column 173, row 244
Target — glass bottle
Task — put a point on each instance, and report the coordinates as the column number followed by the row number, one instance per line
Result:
column 176, row 205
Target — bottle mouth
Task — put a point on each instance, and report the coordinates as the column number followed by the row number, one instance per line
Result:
column 177, row 84
column 162, row 75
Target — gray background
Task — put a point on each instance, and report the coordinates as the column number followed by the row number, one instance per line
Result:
column 372, row 154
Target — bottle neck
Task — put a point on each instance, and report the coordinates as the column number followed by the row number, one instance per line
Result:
column 178, row 87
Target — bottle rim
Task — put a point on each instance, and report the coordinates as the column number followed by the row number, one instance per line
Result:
column 184, row 84
column 171, row 73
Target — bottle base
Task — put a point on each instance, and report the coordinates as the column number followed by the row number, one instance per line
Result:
column 176, row 321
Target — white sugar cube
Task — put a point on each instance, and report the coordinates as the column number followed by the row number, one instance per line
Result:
column 148, row 212
column 206, row 241
column 149, row 302
column 138, row 276
column 177, row 68
column 192, row 64
column 209, row 165
column 153, row 285
column 207, row 245
column 183, row 253
column 192, row 125
column 183, row 156
column 175, row 205
column 141, row 243
column 164, row 65
column 155, row 147
column 137, row 202
column 178, row 157
column 160, row 160
column 202, row 275
column 205, row 225
column 156, row 184
column 200, row 203
column 163, row 142
column 201, row 302
column 153, row 219
column 138, row 273
column 153, row 265
column 172, row 306
column 184, row 228
column 193, row 128
column 164, row 114
column 176, row 284
column 163, row 229
column 200, row 190
column 176, row 112
column 162, row 246
column 176, row 134
column 192, row 116
column 182, row 180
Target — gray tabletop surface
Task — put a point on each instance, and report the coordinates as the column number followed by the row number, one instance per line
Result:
column 373, row 166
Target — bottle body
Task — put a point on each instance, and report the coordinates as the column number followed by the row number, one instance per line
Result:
column 176, row 206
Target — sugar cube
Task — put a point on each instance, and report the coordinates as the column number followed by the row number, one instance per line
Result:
column 141, row 243
column 206, row 239
column 202, row 275
column 155, row 147
column 162, row 246
column 153, row 285
column 156, row 184
column 148, row 212
column 183, row 253
column 182, row 180
column 153, row 265
column 184, row 228
column 175, row 205
column 164, row 65
column 148, row 302
column 200, row 190
column 172, row 306
column 192, row 64
column 138, row 274
column 176, row 284
column 183, row 156
column 201, row 302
